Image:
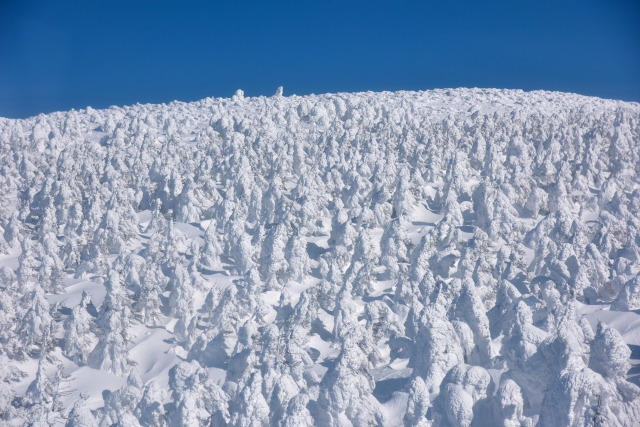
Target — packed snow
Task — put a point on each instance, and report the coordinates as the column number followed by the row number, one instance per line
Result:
column 445, row 258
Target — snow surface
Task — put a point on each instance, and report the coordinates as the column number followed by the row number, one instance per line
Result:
column 442, row 258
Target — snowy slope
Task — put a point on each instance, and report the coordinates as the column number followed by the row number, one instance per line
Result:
column 446, row 258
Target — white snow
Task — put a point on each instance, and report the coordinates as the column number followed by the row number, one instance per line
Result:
column 467, row 252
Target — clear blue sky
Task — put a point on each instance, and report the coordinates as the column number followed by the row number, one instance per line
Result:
column 58, row 55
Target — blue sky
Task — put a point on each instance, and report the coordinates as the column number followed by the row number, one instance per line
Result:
column 61, row 55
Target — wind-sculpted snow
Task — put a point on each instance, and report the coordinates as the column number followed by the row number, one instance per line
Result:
column 444, row 258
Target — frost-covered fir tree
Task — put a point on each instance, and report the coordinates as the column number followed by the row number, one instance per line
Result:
column 43, row 398
column 211, row 250
column 148, row 303
column 36, row 327
column 198, row 401
column 80, row 415
column 150, row 410
column 297, row 258
column 273, row 261
column 181, row 300
column 345, row 391
column 77, row 332
column 110, row 354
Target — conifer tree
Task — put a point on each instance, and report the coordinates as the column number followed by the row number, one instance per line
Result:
column 77, row 332
column 110, row 354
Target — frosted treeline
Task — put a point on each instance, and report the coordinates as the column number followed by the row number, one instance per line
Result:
column 392, row 259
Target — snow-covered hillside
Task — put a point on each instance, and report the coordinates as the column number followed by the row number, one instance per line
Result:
column 444, row 258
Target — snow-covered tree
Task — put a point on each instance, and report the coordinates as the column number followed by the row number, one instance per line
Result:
column 197, row 400
column 80, row 415
column 211, row 250
column 273, row 263
column 150, row 410
column 110, row 354
column 36, row 328
column 345, row 390
column 148, row 303
column 297, row 258
column 181, row 300
column 77, row 332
